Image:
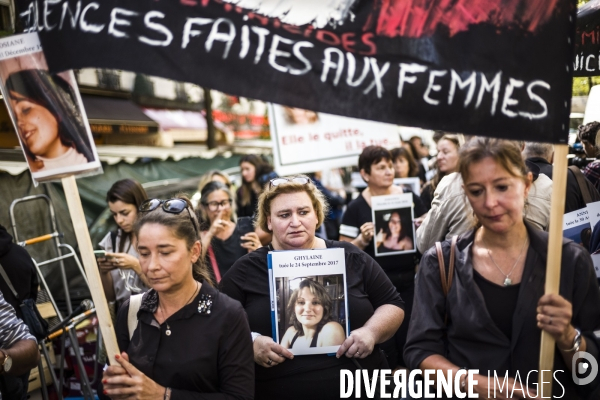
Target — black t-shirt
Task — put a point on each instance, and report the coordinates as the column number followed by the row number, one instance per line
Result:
column 205, row 353
column 249, row 209
column 368, row 288
column 400, row 267
column 500, row 301
column 226, row 251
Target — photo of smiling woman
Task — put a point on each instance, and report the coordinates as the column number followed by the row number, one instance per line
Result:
column 311, row 319
column 394, row 230
column 50, row 123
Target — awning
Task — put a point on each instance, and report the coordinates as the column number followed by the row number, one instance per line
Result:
column 116, row 116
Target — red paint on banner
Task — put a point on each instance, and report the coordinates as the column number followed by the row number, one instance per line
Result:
column 418, row 18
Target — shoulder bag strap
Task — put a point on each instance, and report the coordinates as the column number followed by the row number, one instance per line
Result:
column 213, row 264
column 451, row 265
column 442, row 264
column 8, row 282
column 135, row 303
column 583, row 187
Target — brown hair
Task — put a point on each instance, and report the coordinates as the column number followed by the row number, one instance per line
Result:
column 320, row 293
column 246, row 189
column 317, row 199
column 182, row 226
column 372, row 155
column 413, row 167
column 504, row 152
column 129, row 192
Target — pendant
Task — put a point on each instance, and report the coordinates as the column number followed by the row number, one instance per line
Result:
column 507, row 282
column 168, row 331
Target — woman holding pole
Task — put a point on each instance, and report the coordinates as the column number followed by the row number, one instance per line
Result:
column 495, row 310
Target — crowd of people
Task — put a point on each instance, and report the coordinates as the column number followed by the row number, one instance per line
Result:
column 191, row 289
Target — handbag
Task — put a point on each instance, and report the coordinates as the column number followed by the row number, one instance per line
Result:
column 37, row 325
column 446, row 278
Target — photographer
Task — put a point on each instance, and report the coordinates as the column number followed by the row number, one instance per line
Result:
column 589, row 138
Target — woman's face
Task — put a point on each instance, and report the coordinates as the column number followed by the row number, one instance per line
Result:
column 293, row 221
column 219, row 201
column 401, row 167
column 497, row 197
column 395, row 224
column 381, row 175
column 124, row 214
column 447, row 157
column 38, row 127
column 309, row 309
column 164, row 258
column 248, row 171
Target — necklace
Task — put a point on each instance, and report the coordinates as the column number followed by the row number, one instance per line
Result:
column 168, row 331
column 507, row 280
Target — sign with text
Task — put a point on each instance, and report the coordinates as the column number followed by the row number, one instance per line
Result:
column 486, row 67
column 575, row 223
column 309, row 309
column 308, row 141
column 394, row 224
column 587, row 40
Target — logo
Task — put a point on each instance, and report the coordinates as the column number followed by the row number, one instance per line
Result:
column 584, row 364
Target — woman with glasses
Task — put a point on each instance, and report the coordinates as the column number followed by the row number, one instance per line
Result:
column 292, row 209
column 182, row 339
column 120, row 269
column 224, row 239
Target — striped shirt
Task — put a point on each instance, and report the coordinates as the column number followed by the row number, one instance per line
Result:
column 12, row 329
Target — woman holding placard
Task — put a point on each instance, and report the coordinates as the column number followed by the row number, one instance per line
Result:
column 292, row 209
column 495, row 310
column 183, row 339
column 376, row 168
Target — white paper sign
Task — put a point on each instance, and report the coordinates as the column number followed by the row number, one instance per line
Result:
column 574, row 223
column 306, row 141
column 308, row 300
column 594, row 213
column 393, row 217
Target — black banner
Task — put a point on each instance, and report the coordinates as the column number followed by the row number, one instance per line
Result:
column 486, row 67
column 587, row 40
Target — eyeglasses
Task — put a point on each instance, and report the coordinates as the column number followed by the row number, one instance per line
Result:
column 214, row 205
column 172, row 206
column 280, row 181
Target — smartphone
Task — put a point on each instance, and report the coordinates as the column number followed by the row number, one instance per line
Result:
column 245, row 225
column 102, row 254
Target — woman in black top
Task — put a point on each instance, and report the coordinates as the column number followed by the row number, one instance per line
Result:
column 189, row 341
column 252, row 168
column 292, row 209
column 496, row 307
column 224, row 238
column 376, row 168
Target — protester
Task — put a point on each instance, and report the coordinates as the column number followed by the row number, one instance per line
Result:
column 253, row 169
column 292, row 209
column 336, row 201
column 189, row 340
column 588, row 134
column 312, row 325
column 542, row 154
column 18, row 352
column 214, row 175
column 375, row 165
column 120, row 270
column 451, row 214
column 405, row 165
column 49, row 124
column 21, row 272
column 496, row 307
column 414, row 148
column 447, row 163
column 224, row 237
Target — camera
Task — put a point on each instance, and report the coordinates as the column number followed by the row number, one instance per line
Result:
column 580, row 162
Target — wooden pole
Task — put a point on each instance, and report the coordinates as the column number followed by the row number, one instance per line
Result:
column 91, row 268
column 553, row 264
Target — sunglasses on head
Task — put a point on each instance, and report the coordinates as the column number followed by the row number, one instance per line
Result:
column 280, row 181
column 172, row 206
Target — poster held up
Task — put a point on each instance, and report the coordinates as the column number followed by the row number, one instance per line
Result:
column 309, row 309
column 393, row 216
column 47, row 112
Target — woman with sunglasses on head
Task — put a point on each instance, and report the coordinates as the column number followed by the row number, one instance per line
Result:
column 224, row 238
column 292, row 209
column 495, row 311
column 120, row 269
column 189, row 340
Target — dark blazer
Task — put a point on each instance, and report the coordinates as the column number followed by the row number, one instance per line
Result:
column 473, row 339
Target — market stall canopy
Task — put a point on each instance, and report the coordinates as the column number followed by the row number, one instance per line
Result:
column 117, row 116
column 485, row 67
